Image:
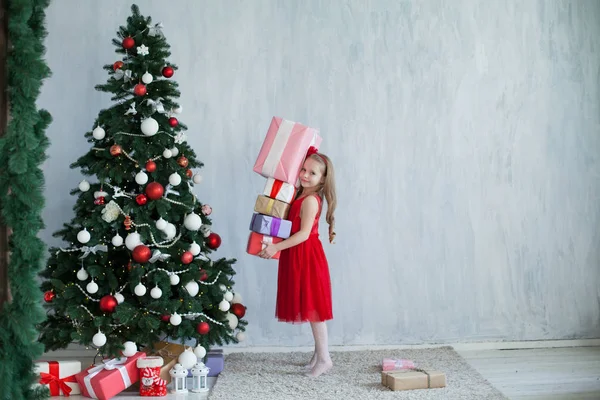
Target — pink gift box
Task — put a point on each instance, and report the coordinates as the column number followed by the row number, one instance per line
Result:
column 109, row 378
column 284, row 150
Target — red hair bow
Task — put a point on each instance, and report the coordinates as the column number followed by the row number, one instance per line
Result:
column 312, row 150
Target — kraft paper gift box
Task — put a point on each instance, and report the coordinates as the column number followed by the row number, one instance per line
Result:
column 271, row 226
column 274, row 208
column 109, row 378
column 59, row 376
column 280, row 190
column 284, row 150
column 255, row 244
column 409, row 379
column 169, row 352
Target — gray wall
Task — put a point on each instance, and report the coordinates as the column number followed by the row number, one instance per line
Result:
column 465, row 136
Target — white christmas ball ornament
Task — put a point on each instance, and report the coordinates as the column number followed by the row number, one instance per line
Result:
column 99, row 339
column 175, row 319
column 174, row 151
column 82, row 274
column 83, row 236
column 174, row 179
column 237, row 298
column 197, row 179
column 200, row 352
column 98, row 133
column 194, row 248
column 167, row 153
column 174, row 279
column 130, row 349
column 192, row 288
column 224, row 305
column 241, row 336
column 92, row 287
column 187, row 359
column 132, row 240
column 156, row 293
column 140, row 289
column 119, row 297
column 232, row 320
column 178, row 110
column 222, row 287
column 192, row 222
column 149, row 127
column 141, row 178
column 117, row 240
column 161, row 224
column 147, row 78
column 170, row 231
column 84, row 186
column 228, row 296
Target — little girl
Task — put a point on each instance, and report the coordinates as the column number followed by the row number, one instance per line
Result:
column 303, row 284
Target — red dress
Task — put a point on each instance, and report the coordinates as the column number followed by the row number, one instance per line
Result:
column 303, row 283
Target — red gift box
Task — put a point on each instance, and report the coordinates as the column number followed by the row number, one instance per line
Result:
column 110, row 378
column 255, row 245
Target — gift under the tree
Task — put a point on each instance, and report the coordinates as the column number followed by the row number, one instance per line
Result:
column 109, row 378
column 274, row 208
column 59, row 376
column 279, row 190
column 284, row 150
column 169, row 352
column 151, row 384
column 256, row 245
column 271, row 226
column 414, row 378
column 215, row 360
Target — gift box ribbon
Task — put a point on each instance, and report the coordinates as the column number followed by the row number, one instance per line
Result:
column 269, row 240
column 270, row 206
column 55, row 383
column 115, row 363
column 272, row 226
column 277, row 184
column 281, row 138
column 425, row 372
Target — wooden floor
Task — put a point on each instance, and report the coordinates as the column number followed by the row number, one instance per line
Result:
column 536, row 374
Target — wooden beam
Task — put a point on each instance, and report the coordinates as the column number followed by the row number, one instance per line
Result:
column 4, row 115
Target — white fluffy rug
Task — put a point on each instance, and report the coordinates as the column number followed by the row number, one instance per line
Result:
column 355, row 375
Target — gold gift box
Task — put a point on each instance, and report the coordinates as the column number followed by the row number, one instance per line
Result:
column 413, row 379
column 268, row 206
column 169, row 352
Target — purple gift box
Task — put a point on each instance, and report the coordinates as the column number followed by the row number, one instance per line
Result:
column 271, row 226
column 215, row 360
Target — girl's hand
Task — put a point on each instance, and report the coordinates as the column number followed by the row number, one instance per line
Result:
column 268, row 251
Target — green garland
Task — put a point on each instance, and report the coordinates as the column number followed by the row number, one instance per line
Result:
column 22, row 151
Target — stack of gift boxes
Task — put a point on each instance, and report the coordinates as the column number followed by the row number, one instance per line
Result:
column 280, row 160
column 153, row 367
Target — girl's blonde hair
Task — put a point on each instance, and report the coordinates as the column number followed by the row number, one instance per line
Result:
column 326, row 189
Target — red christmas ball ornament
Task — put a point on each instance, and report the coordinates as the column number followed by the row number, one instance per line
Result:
column 203, row 275
column 213, row 241
column 189, row 173
column 141, row 253
column 116, row 150
column 165, row 318
column 183, row 162
column 141, row 199
column 203, row 328
column 239, row 310
column 187, row 257
column 154, row 190
column 117, row 65
column 173, row 122
column 99, row 201
column 108, row 304
column 128, row 42
column 150, row 166
column 140, row 89
column 167, row 72
column 49, row 296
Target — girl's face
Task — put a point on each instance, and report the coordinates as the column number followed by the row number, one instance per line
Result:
column 310, row 174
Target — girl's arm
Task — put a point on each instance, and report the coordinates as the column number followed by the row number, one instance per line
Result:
column 308, row 212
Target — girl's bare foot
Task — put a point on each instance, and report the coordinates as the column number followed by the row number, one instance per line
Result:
column 320, row 368
column 312, row 362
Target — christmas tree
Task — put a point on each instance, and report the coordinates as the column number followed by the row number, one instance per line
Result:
column 136, row 267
